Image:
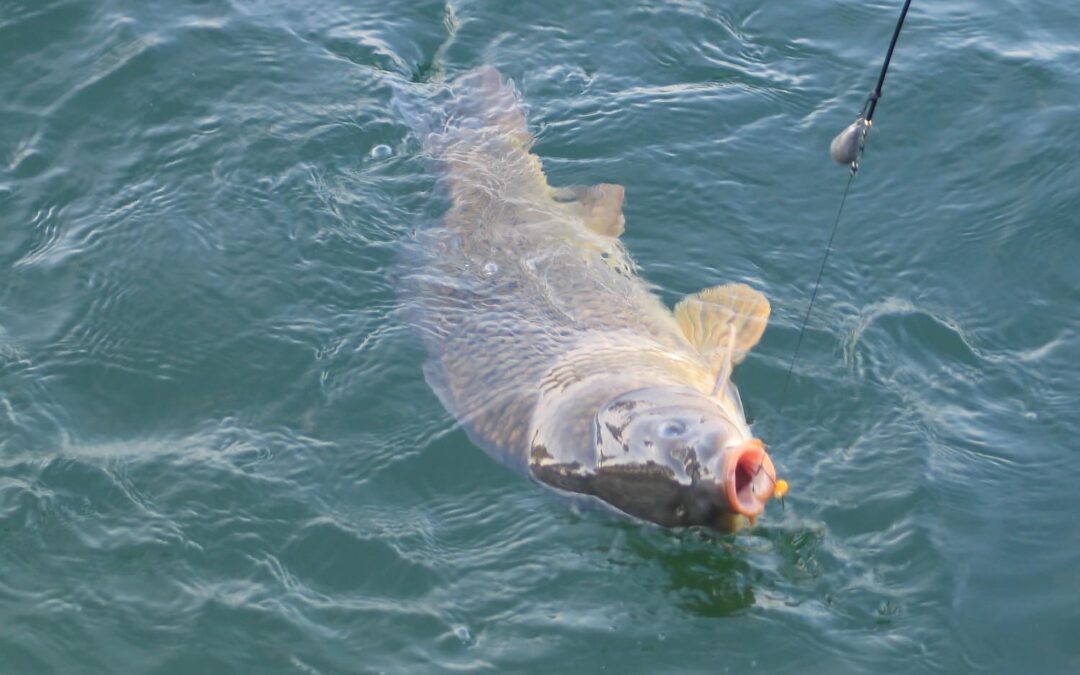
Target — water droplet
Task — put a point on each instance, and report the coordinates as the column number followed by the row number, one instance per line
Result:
column 381, row 152
column 462, row 633
column 887, row 608
column 490, row 269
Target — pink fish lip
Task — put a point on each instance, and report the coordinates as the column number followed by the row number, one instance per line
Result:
column 748, row 477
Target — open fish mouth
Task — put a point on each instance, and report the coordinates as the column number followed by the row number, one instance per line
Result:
column 748, row 478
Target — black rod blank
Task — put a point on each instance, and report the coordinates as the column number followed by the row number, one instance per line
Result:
column 885, row 66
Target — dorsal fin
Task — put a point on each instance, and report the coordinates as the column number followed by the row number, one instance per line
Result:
column 599, row 206
column 723, row 323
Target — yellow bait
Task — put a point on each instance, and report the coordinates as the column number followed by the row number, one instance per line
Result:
column 780, row 489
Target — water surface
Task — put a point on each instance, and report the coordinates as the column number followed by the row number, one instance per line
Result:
column 217, row 450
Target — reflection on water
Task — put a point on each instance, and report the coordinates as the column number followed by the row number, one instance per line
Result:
column 707, row 574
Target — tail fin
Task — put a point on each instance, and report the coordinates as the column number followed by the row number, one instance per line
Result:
column 482, row 101
column 476, row 130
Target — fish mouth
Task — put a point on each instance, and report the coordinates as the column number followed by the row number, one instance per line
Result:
column 748, row 478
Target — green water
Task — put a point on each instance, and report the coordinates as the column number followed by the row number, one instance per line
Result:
column 217, row 450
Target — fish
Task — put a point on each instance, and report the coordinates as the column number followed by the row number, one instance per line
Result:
column 550, row 350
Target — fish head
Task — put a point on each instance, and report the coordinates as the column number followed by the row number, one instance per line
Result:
column 676, row 456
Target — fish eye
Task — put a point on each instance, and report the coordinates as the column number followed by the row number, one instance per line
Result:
column 671, row 429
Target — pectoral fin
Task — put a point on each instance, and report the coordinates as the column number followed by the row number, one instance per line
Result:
column 723, row 323
column 598, row 206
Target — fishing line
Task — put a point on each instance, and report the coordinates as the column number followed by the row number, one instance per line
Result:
column 846, row 148
column 817, row 285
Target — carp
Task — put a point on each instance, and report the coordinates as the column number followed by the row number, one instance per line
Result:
column 552, row 353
